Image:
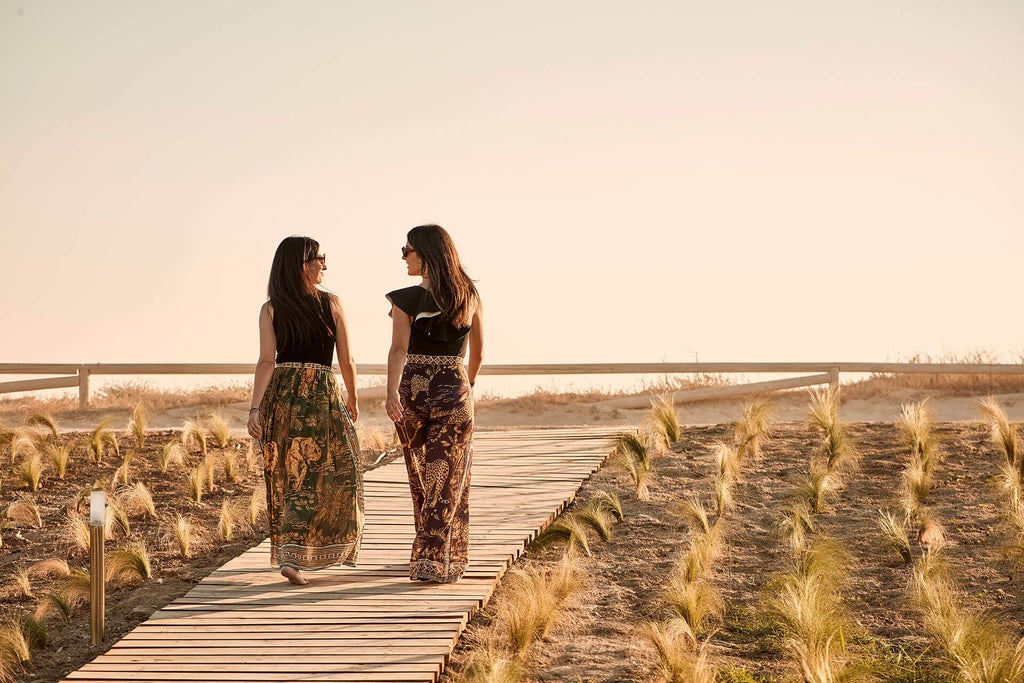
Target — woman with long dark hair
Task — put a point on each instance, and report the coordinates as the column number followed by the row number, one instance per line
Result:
column 310, row 450
column 430, row 398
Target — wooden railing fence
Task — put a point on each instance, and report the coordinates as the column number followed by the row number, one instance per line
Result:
column 77, row 375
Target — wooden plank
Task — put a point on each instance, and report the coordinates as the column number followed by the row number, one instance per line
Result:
column 369, row 623
column 38, row 384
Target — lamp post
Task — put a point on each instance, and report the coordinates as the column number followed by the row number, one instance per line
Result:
column 97, row 600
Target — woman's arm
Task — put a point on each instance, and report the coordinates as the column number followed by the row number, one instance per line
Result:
column 476, row 343
column 346, row 363
column 401, row 328
column 264, row 369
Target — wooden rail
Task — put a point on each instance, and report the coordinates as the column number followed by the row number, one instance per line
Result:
column 70, row 375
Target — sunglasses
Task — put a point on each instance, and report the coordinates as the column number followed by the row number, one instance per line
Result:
column 322, row 258
column 407, row 250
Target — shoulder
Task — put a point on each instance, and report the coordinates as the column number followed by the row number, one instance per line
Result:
column 266, row 310
column 408, row 298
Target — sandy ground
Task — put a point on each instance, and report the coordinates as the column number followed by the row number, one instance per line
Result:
column 490, row 414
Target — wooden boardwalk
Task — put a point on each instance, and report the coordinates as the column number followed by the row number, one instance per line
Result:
column 244, row 623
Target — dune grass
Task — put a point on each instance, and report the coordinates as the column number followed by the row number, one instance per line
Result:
column 59, row 456
column 43, row 420
column 257, row 506
column 231, row 467
column 137, row 425
column 24, row 510
column 30, row 472
column 102, row 440
column 533, row 602
column 130, row 563
column 184, row 535
column 197, row 483
column 632, row 453
column 219, row 429
column 894, row 534
column 137, row 500
column 192, row 433
column 805, row 600
column 665, row 421
column 680, row 658
column 171, row 454
column 751, row 432
column 1004, row 433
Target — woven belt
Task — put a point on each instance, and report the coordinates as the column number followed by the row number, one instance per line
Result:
column 309, row 366
column 420, row 359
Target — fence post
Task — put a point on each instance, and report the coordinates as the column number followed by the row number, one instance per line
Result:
column 833, row 378
column 83, row 387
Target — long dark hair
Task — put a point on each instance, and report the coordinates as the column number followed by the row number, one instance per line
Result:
column 452, row 289
column 298, row 307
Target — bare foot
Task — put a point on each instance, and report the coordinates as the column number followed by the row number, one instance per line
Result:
column 294, row 576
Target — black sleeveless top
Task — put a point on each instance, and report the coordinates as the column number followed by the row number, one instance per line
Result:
column 429, row 336
column 319, row 349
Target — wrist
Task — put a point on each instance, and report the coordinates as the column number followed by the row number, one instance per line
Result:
column 254, row 410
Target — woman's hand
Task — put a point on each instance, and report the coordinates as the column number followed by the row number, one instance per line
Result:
column 393, row 407
column 352, row 403
column 253, row 426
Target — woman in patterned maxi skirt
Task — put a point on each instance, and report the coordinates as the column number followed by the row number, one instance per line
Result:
column 429, row 397
column 310, row 449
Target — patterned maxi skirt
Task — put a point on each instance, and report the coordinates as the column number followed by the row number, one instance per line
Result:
column 436, row 432
column 312, row 469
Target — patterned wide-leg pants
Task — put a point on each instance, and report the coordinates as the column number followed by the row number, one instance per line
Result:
column 436, row 431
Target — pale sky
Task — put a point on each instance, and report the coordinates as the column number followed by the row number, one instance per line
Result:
column 642, row 181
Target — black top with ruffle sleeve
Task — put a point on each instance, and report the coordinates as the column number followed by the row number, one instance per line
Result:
column 429, row 336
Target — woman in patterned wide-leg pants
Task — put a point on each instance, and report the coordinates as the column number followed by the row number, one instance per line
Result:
column 430, row 398
column 436, row 431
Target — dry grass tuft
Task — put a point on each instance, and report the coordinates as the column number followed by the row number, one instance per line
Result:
column 251, row 463
column 70, row 593
column 489, row 664
column 171, row 454
column 229, row 519
column 631, row 452
column 25, row 511
column 129, row 563
column 257, row 506
column 137, row 500
column 698, row 603
column 43, row 420
column 795, row 526
column 59, row 457
column 184, row 536
column 22, row 444
column 192, row 433
column 609, row 502
column 533, row 602
column 102, row 440
column 727, row 460
column 837, row 449
column 566, row 529
column 197, row 483
column 665, row 421
column 50, row 568
column 232, row 470
column 14, row 646
column 116, row 518
column 807, row 604
column 1004, row 434
column 754, row 429
column 679, row 657
column 209, row 467
column 894, row 534
column 76, row 533
column 22, row 582
column 30, row 472
column 219, row 429
column 137, row 425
